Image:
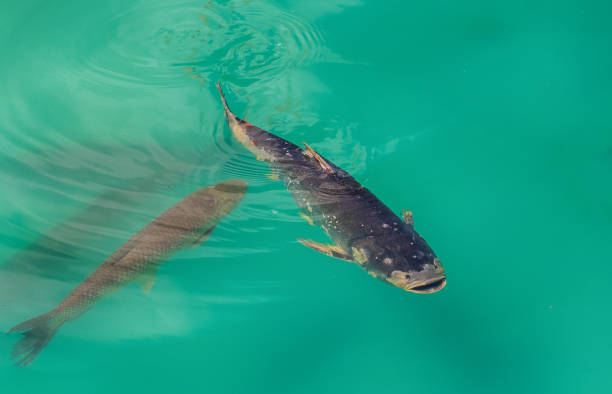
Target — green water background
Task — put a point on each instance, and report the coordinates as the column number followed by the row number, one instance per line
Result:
column 491, row 121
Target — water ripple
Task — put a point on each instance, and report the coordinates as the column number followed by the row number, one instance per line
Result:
column 113, row 118
column 155, row 43
column 248, row 43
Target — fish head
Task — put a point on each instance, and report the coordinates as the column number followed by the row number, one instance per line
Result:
column 403, row 260
column 228, row 193
column 235, row 187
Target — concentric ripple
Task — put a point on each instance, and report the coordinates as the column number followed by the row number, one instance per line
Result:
column 245, row 42
column 156, row 42
column 110, row 117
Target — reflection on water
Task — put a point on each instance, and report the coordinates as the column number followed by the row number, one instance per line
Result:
column 237, row 41
column 123, row 123
column 489, row 121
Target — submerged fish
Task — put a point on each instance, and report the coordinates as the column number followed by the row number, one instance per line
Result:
column 58, row 253
column 364, row 230
column 187, row 223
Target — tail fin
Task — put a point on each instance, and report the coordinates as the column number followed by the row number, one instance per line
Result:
column 228, row 113
column 37, row 333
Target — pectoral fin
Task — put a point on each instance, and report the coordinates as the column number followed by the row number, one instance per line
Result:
column 307, row 218
column 273, row 176
column 407, row 216
column 329, row 250
column 147, row 279
column 202, row 238
column 312, row 153
column 124, row 250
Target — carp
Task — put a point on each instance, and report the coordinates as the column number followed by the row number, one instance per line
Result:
column 363, row 229
column 187, row 223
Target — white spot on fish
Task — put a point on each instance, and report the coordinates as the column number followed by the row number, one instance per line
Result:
column 385, row 225
column 387, row 261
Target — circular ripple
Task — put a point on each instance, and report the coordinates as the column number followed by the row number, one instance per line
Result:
column 108, row 75
column 166, row 45
column 245, row 43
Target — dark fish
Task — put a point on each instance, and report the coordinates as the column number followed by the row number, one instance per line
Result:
column 187, row 223
column 364, row 230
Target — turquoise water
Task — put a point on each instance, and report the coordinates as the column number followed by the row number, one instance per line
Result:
column 489, row 120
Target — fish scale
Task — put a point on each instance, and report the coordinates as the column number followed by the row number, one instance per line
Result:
column 188, row 222
column 362, row 228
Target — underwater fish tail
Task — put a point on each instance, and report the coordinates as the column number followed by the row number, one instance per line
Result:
column 188, row 223
column 37, row 333
column 263, row 144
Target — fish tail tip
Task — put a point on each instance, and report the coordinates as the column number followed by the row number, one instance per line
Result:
column 220, row 89
column 227, row 110
column 37, row 333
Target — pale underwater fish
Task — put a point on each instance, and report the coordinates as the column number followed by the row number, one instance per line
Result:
column 60, row 252
column 187, row 223
column 57, row 253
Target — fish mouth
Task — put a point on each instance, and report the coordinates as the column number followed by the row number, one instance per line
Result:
column 428, row 286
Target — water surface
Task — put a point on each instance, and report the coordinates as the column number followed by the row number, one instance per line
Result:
column 490, row 121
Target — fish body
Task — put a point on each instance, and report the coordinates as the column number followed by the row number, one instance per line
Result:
column 363, row 229
column 56, row 254
column 187, row 223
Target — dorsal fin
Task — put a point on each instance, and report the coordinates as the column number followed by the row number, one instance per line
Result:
column 312, row 153
column 124, row 249
column 202, row 238
column 407, row 217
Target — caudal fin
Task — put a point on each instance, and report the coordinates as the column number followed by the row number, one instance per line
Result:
column 37, row 333
column 228, row 113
